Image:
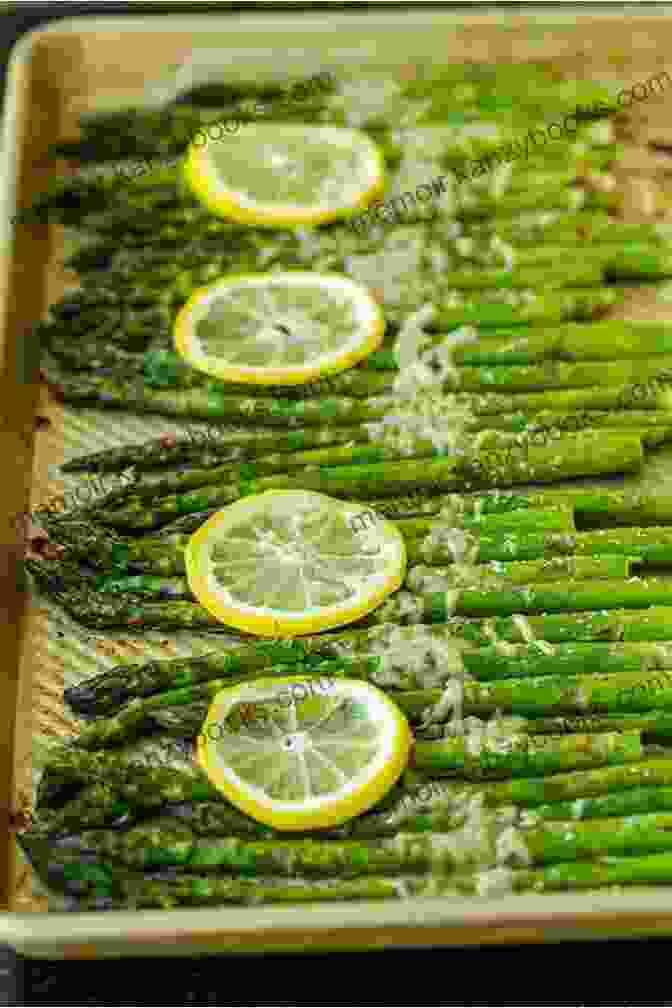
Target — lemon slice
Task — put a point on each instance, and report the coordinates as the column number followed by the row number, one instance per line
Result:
column 283, row 175
column 278, row 328
column 290, row 562
column 303, row 753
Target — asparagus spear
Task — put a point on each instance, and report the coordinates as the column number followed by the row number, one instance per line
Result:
column 149, row 586
column 349, row 453
column 115, row 686
column 587, row 274
column 556, row 227
column 625, row 262
column 571, row 341
column 105, row 612
column 647, row 546
column 651, row 869
column 603, row 341
column 387, row 670
column 408, row 607
column 405, row 607
column 134, row 718
column 143, row 784
column 184, row 721
column 97, row 887
column 112, row 688
column 654, row 725
column 165, row 841
column 213, row 404
column 209, row 445
column 520, row 755
column 196, row 890
column 169, row 842
column 188, row 523
column 424, row 580
column 634, row 801
column 591, row 506
column 552, row 375
column 541, row 307
column 547, row 695
column 97, row 884
column 421, row 580
column 94, row 806
column 500, row 461
column 208, row 450
column 217, row 819
column 535, row 791
column 109, row 690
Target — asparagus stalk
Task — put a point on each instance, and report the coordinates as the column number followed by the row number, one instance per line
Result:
column 94, row 806
column 388, row 645
column 600, row 341
column 547, row 695
column 149, row 586
column 349, row 453
column 421, row 580
column 117, row 685
column 530, row 520
column 634, row 801
column 405, row 607
column 387, row 670
column 572, row 341
column 502, row 461
column 188, row 523
column 197, row 890
column 209, row 445
column 586, row 274
column 626, row 262
column 520, row 755
column 592, row 506
column 653, row 725
column 206, row 402
column 408, row 607
column 143, row 785
column 555, row 375
column 112, row 688
column 411, row 815
column 185, row 720
column 97, row 887
column 348, row 445
column 556, row 227
column 651, row 869
column 218, row 819
column 535, row 791
column 542, row 308
column 134, row 718
column 168, row 842
column 646, row 546
column 425, row 580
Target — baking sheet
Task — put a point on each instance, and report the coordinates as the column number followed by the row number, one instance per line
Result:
column 74, row 66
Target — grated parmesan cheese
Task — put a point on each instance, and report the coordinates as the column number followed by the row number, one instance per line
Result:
column 511, row 847
column 496, row 882
column 424, row 658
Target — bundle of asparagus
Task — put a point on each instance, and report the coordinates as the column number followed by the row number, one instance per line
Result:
column 532, row 659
